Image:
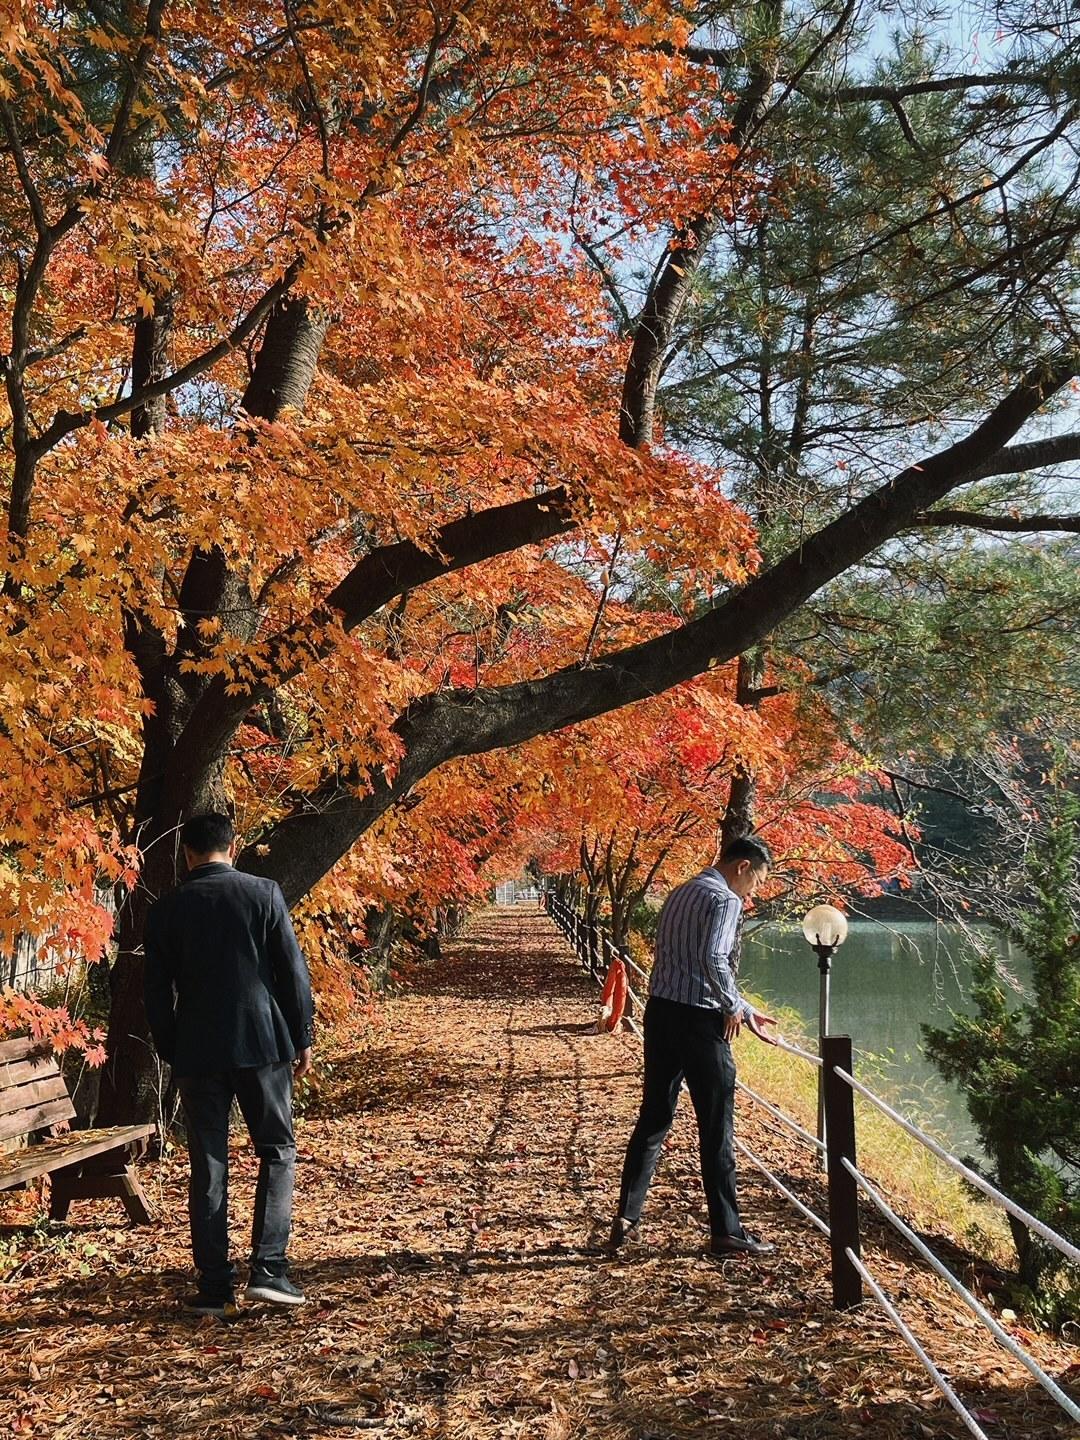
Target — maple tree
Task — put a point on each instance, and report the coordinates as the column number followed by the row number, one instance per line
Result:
column 325, row 444
column 633, row 802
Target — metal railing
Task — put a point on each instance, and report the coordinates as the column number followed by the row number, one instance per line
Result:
column 845, row 1180
column 596, row 951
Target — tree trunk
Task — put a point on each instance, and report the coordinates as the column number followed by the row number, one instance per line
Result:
column 287, row 360
column 618, row 887
column 131, row 1077
column 168, row 793
column 149, row 363
column 739, row 812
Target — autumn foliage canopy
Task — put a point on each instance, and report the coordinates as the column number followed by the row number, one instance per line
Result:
column 291, row 288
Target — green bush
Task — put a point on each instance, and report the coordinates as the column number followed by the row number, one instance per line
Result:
column 643, row 920
column 1019, row 1066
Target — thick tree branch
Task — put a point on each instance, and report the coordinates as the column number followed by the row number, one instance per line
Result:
column 449, row 724
column 378, row 578
column 1032, row 455
column 856, row 94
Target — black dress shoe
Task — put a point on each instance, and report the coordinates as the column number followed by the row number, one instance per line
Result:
column 277, row 1289
column 222, row 1307
column 623, row 1232
column 726, row 1245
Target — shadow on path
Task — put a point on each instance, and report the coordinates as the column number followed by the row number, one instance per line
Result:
column 455, row 1178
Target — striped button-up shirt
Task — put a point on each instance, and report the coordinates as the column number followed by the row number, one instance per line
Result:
column 696, row 936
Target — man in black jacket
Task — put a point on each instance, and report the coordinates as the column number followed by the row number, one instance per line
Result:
column 228, row 999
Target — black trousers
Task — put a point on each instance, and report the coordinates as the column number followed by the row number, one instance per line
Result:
column 265, row 1099
column 683, row 1041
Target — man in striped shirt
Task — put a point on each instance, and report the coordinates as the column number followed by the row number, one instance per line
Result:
column 693, row 1013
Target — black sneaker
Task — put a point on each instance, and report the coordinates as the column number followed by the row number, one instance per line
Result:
column 725, row 1246
column 222, row 1307
column 277, row 1289
column 623, row 1232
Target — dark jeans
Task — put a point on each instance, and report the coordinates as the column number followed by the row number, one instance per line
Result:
column 685, row 1041
column 265, row 1099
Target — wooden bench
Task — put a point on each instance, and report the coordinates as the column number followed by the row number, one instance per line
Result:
column 34, row 1097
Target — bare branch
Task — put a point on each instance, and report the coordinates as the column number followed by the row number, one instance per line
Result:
column 313, row 94
column 596, row 260
column 895, row 775
column 439, row 36
column 906, row 125
column 604, row 594
column 22, row 169
column 952, row 205
column 848, row 94
column 50, row 352
column 1015, row 524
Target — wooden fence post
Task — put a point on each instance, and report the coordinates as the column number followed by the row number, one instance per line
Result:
column 843, row 1191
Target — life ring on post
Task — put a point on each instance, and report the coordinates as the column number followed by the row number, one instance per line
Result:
column 613, row 997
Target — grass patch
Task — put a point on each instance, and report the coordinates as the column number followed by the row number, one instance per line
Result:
column 916, row 1183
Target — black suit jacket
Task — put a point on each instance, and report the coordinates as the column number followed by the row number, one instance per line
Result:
column 226, row 985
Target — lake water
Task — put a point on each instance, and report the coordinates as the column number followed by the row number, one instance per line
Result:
column 886, row 981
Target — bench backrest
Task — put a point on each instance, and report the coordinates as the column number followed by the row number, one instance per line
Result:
column 33, row 1095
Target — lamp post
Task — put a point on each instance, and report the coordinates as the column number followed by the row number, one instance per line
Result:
column 825, row 928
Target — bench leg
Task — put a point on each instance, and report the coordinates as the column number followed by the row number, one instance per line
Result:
column 60, row 1196
column 134, row 1198
column 68, row 1185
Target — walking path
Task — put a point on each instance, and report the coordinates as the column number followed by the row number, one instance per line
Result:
column 452, row 1180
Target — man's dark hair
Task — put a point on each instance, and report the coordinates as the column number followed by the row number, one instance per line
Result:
column 747, row 848
column 207, row 834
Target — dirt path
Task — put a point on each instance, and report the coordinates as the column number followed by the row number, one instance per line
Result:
column 453, row 1180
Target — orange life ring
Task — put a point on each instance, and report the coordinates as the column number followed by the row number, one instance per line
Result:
column 613, row 997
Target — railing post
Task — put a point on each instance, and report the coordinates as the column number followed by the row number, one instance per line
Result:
column 843, row 1191
column 593, row 961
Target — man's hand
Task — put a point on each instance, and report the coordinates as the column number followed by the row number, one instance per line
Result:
column 302, row 1063
column 754, row 1022
column 732, row 1026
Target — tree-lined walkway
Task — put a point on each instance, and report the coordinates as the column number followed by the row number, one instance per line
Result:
column 454, row 1179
